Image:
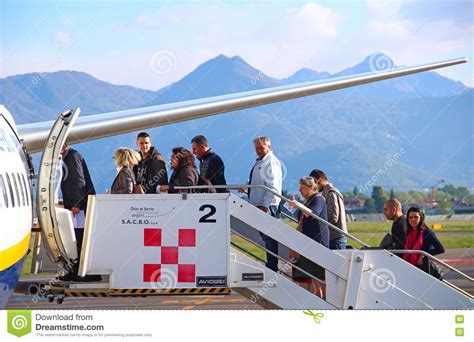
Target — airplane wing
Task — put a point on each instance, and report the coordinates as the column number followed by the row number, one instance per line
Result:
column 103, row 125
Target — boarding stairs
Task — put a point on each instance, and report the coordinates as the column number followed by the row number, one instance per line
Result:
column 186, row 243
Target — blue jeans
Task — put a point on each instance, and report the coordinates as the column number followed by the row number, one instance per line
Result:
column 338, row 243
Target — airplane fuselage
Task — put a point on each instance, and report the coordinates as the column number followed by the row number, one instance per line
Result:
column 15, row 206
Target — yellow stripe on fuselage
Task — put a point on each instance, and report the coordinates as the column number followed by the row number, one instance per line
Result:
column 11, row 255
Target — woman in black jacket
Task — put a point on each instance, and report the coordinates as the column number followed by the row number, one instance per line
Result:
column 184, row 171
column 420, row 237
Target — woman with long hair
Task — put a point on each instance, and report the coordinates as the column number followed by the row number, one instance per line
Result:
column 184, row 171
column 420, row 237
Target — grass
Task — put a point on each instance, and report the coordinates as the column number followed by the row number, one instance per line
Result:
column 249, row 246
column 448, row 241
column 372, row 239
column 382, row 226
column 27, row 262
column 373, row 232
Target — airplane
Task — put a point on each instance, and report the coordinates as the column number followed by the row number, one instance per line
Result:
column 18, row 142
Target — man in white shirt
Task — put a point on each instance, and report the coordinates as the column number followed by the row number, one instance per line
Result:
column 267, row 172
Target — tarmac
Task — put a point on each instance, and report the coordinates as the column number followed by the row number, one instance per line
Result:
column 462, row 259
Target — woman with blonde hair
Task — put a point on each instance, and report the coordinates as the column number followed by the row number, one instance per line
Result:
column 314, row 229
column 125, row 183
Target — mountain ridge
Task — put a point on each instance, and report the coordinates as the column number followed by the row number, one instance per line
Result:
column 347, row 132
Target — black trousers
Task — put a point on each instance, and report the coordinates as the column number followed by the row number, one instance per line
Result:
column 271, row 244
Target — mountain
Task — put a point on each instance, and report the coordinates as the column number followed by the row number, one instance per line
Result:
column 218, row 76
column 42, row 96
column 427, row 84
column 306, row 75
column 383, row 133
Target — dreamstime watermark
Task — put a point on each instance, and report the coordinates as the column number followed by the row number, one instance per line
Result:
column 382, row 280
column 44, row 290
column 152, row 183
column 19, row 322
column 390, row 161
column 270, row 284
column 381, row 61
column 281, row 50
column 270, row 170
column 163, row 62
column 163, row 279
column 53, row 63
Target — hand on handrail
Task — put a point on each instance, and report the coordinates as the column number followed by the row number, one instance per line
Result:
column 293, row 254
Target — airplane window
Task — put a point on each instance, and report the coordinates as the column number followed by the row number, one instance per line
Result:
column 11, row 189
column 15, row 185
column 26, row 189
column 4, row 190
column 22, row 189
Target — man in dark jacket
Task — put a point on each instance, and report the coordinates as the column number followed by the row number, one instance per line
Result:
column 211, row 165
column 76, row 186
column 150, row 172
column 76, row 183
column 392, row 210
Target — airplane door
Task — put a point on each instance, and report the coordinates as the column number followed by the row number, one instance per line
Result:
column 58, row 232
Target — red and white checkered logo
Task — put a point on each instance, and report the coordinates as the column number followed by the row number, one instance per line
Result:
column 170, row 256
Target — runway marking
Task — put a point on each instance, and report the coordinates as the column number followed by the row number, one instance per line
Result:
column 202, row 301
column 227, row 300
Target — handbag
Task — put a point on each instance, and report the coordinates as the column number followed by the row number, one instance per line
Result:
column 137, row 189
column 431, row 268
column 387, row 241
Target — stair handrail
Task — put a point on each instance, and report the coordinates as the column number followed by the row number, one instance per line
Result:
column 429, row 256
column 273, row 192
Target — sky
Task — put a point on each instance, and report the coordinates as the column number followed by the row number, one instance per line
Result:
column 150, row 44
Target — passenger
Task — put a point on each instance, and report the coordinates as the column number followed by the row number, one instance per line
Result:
column 211, row 165
column 267, row 172
column 392, row 210
column 420, row 237
column 184, row 171
column 125, row 182
column 76, row 186
column 336, row 209
column 314, row 229
column 150, row 171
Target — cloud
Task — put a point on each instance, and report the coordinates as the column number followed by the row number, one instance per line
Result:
column 385, row 8
column 459, row 11
column 402, row 37
column 62, row 37
column 313, row 20
column 277, row 38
